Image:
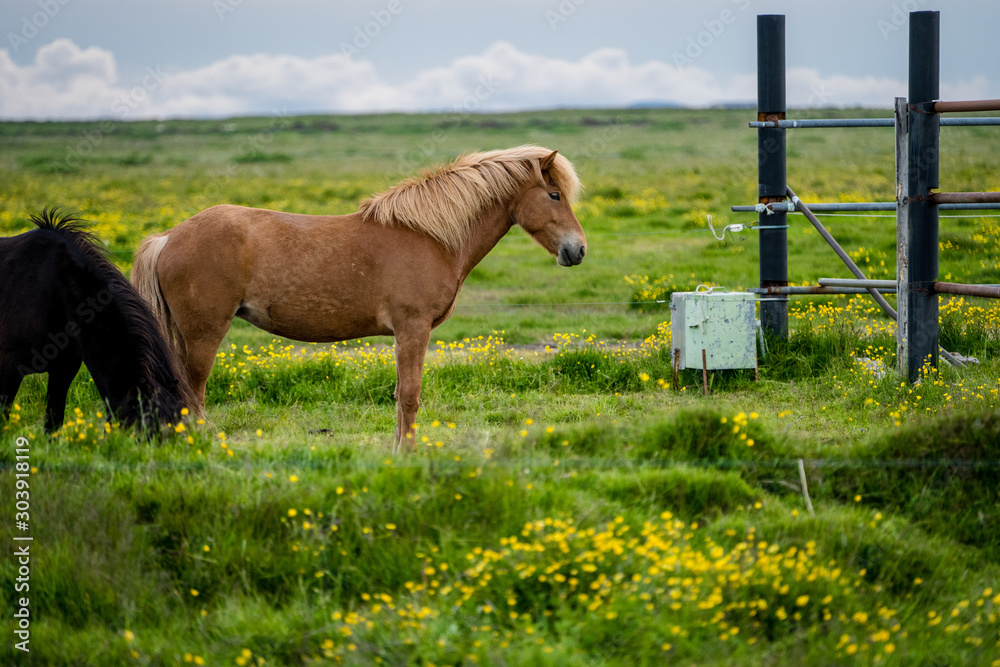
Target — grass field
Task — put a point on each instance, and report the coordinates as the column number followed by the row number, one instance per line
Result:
column 565, row 506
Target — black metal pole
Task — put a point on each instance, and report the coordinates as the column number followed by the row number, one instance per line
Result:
column 922, row 158
column 773, row 235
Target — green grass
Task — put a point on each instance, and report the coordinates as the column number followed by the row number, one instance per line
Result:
column 191, row 550
column 577, row 464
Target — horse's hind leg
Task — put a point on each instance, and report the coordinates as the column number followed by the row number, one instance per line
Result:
column 201, row 329
column 61, row 375
column 10, row 382
column 202, row 311
column 199, row 357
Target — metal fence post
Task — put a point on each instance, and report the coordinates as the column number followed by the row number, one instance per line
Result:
column 922, row 177
column 902, row 235
column 771, row 170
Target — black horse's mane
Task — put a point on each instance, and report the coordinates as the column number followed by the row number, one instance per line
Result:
column 76, row 232
column 51, row 218
column 161, row 380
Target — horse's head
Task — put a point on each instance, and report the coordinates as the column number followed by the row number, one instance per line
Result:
column 543, row 210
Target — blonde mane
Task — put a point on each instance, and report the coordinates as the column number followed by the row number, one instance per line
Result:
column 444, row 202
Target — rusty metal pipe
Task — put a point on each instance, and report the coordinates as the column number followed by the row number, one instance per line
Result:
column 880, row 285
column 986, row 291
column 970, row 121
column 814, row 290
column 826, row 207
column 965, row 197
column 967, row 105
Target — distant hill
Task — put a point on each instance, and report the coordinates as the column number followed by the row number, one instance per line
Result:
column 655, row 104
column 666, row 104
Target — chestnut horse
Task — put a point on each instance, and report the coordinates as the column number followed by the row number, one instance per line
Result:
column 395, row 267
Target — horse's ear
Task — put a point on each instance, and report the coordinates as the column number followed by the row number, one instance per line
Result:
column 543, row 166
column 547, row 161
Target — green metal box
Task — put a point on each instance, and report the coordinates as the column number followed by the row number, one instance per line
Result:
column 722, row 323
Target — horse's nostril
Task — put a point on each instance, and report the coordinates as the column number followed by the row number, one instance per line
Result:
column 583, row 251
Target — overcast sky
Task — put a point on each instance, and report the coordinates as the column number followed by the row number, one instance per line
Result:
column 127, row 59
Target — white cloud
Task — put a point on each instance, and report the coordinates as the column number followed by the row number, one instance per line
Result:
column 520, row 80
column 807, row 87
column 261, row 83
column 66, row 81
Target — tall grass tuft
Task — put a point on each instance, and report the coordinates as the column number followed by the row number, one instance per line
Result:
column 944, row 474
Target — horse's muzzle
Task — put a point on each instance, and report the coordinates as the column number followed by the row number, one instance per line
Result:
column 571, row 254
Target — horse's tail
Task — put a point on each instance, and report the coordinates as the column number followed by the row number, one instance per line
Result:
column 147, row 283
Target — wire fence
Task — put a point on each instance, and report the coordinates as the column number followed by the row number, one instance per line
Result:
column 570, row 304
column 681, row 232
column 569, row 461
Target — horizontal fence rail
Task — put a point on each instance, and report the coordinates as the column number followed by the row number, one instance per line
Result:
column 864, row 122
column 813, row 289
column 832, row 207
column 967, row 105
column 838, row 286
column 966, row 197
column 962, row 289
column 857, row 282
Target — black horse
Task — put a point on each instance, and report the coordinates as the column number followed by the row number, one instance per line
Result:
column 63, row 303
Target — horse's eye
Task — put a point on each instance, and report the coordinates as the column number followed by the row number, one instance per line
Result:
column 554, row 195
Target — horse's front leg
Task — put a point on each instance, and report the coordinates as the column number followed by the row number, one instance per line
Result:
column 10, row 382
column 61, row 375
column 411, row 346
